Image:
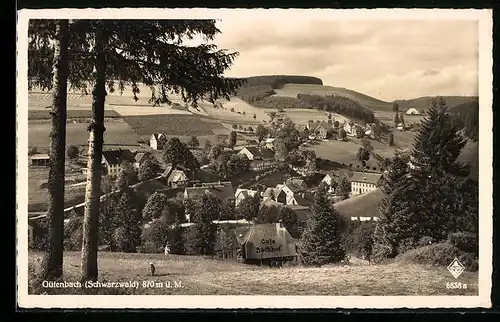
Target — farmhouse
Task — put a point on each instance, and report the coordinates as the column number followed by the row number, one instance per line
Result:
column 112, row 160
column 363, row 182
column 260, row 158
column 412, row 111
column 266, row 243
column 269, row 143
column 39, row 160
column 241, row 194
column 177, row 179
column 140, row 157
column 350, row 128
column 275, row 194
column 321, row 130
column 157, row 141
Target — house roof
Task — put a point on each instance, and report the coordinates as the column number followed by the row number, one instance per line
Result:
column 222, row 190
column 296, row 185
column 40, row 156
column 176, row 175
column 269, row 203
column 269, row 140
column 258, row 232
column 115, row 157
column 245, row 192
column 276, row 191
column 304, row 201
column 367, row 177
column 157, row 135
column 261, row 153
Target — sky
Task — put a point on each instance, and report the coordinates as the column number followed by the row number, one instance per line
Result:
column 385, row 59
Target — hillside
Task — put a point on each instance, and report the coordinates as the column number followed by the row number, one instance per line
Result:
column 366, row 205
column 423, row 103
column 467, row 116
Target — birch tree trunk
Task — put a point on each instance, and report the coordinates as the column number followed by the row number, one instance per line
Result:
column 96, row 140
column 53, row 258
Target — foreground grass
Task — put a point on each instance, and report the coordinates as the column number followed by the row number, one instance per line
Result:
column 204, row 276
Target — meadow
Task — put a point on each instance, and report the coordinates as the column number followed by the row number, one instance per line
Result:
column 117, row 134
column 204, row 276
column 179, row 125
column 71, row 114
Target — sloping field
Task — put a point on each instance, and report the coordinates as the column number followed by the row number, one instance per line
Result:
column 203, row 276
column 291, row 90
column 364, row 205
column 174, row 124
column 241, row 115
column 241, row 106
column 117, row 134
column 71, row 114
column 302, row 115
column 338, row 151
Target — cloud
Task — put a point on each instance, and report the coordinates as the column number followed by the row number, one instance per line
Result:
column 387, row 59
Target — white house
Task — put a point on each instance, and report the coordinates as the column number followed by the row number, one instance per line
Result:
column 112, row 160
column 412, row 111
column 260, row 158
column 350, row 128
column 269, row 143
column 157, row 141
column 363, row 182
column 241, row 194
column 400, row 126
column 177, row 179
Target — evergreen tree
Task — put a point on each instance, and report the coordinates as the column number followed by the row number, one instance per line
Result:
column 395, row 107
column 322, row 241
column 289, row 219
column 438, row 142
column 396, row 119
column 207, row 209
column 148, row 170
column 248, row 208
column 129, row 221
column 232, row 139
column 391, row 139
column 154, row 206
column 343, row 188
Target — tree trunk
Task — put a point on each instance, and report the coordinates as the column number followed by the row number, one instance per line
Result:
column 53, row 258
column 96, row 139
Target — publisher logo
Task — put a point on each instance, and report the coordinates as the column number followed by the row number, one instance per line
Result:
column 456, row 268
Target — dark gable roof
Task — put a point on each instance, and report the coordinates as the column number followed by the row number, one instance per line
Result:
column 296, row 185
column 141, row 155
column 116, row 157
column 367, row 177
column 223, row 190
column 261, row 153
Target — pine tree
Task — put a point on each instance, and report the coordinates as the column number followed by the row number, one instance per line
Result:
column 343, row 188
column 396, row 119
column 438, row 142
column 288, row 218
column 207, row 209
column 154, row 206
column 322, row 240
column 129, row 221
column 148, row 169
column 391, row 139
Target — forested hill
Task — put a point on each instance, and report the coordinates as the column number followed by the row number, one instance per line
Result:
column 467, row 117
column 423, row 103
column 277, row 81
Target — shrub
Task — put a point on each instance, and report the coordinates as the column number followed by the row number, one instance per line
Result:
column 235, row 126
column 232, row 109
column 466, row 242
column 359, row 238
column 439, row 254
column 426, row 240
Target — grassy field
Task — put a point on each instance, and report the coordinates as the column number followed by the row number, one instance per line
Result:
column 179, row 125
column 338, row 151
column 291, row 90
column 241, row 106
column 387, row 117
column 203, row 276
column 37, row 196
column 117, row 134
column 72, row 114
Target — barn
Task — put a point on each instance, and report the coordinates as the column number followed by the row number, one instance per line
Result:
column 412, row 111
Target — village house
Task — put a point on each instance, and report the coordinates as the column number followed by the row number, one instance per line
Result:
column 350, row 128
column 292, row 192
column 269, row 143
column 112, row 160
column 412, row 111
column 40, row 160
column 140, row 157
column 321, row 130
column 260, row 158
column 158, row 141
column 363, row 182
column 241, row 194
column 400, row 126
column 221, row 190
column 275, row 194
column 177, row 179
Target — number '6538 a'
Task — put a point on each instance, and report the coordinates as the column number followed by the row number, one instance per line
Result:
column 456, row 285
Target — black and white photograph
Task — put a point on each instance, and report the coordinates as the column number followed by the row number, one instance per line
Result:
column 252, row 158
